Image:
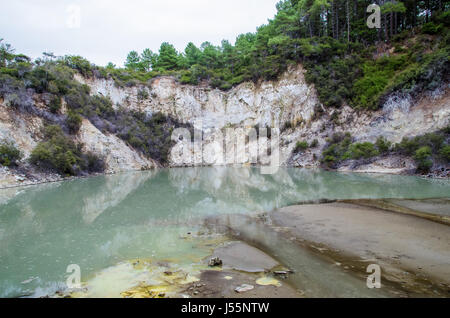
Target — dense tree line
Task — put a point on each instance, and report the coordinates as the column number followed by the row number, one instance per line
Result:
column 330, row 37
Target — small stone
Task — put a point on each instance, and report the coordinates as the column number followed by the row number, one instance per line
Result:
column 244, row 288
column 283, row 273
column 213, row 262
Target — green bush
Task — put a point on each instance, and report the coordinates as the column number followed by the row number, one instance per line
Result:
column 9, row 154
column 383, row 145
column 361, row 150
column 55, row 104
column 336, row 148
column 73, row 122
column 330, row 74
column 445, row 153
column 371, row 87
column 409, row 146
column 100, row 105
column 301, row 146
column 422, row 157
column 143, row 94
column 60, row 154
column 443, row 17
column 314, row 143
column 80, row 64
column 329, row 159
column 77, row 99
column 423, row 149
column 431, row 28
column 446, row 130
column 93, row 163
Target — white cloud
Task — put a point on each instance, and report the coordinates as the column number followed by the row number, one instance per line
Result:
column 109, row 29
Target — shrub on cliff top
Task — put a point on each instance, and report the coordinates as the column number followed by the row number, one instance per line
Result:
column 80, row 64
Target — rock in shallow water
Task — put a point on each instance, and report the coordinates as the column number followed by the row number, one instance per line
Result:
column 244, row 288
column 213, row 262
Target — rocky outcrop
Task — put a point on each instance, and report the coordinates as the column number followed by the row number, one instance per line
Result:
column 118, row 156
column 22, row 128
column 269, row 103
column 397, row 119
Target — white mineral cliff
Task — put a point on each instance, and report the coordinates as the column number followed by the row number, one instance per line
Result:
column 274, row 103
column 288, row 99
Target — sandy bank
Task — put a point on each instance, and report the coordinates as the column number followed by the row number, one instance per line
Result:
column 397, row 242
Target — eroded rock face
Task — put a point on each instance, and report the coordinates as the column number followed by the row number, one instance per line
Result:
column 117, row 154
column 269, row 103
column 21, row 128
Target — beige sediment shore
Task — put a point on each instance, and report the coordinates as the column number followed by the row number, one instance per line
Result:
column 410, row 249
column 312, row 250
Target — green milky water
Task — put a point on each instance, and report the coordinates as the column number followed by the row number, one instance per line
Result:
column 98, row 222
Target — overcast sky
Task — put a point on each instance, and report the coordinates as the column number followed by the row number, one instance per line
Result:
column 106, row 30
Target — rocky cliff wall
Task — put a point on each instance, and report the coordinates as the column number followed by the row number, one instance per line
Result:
column 289, row 99
column 273, row 103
